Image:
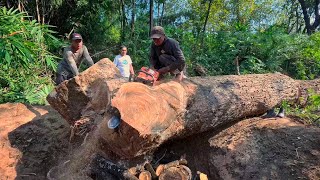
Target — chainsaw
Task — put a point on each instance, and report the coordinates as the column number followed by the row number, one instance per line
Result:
column 146, row 76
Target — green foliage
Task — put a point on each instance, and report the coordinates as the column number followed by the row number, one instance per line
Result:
column 272, row 50
column 309, row 113
column 254, row 31
column 228, row 14
column 26, row 64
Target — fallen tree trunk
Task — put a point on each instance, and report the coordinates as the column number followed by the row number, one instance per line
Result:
column 151, row 116
column 88, row 94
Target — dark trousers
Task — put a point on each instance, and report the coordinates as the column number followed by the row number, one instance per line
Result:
column 62, row 77
column 166, row 60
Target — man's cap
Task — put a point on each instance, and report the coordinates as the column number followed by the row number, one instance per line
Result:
column 76, row 36
column 157, row 32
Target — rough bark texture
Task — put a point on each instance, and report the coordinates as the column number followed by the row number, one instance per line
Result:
column 87, row 94
column 152, row 115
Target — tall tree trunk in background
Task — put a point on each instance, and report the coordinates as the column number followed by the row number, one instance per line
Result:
column 310, row 27
column 297, row 17
column 158, row 16
column 151, row 16
column 8, row 3
column 162, row 12
column 133, row 15
column 19, row 6
column 43, row 11
column 38, row 13
column 237, row 63
column 120, row 17
column 206, row 21
column 123, row 22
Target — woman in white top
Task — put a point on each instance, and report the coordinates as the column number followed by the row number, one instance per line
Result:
column 124, row 63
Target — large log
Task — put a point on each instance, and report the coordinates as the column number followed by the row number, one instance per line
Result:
column 151, row 116
column 89, row 93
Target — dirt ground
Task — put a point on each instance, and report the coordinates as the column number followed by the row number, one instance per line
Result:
column 35, row 139
column 32, row 141
column 275, row 148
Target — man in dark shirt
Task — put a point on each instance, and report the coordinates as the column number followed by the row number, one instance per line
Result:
column 72, row 58
column 166, row 55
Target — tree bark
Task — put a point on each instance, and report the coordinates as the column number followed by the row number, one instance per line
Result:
column 206, row 21
column 151, row 16
column 123, row 22
column 297, row 23
column 43, row 11
column 152, row 116
column 162, row 13
column 158, row 13
column 38, row 12
column 19, row 6
column 133, row 15
column 237, row 65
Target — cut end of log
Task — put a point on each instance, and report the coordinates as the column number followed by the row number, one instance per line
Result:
column 159, row 169
column 88, row 93
column 147, row 115
column 145, row 175
column 180, row 172
column 150, row 109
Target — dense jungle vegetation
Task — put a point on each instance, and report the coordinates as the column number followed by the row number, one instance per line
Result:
column 262, row 35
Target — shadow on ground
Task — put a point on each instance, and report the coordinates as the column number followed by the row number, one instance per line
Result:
column 252, row 149
column 43, row 141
